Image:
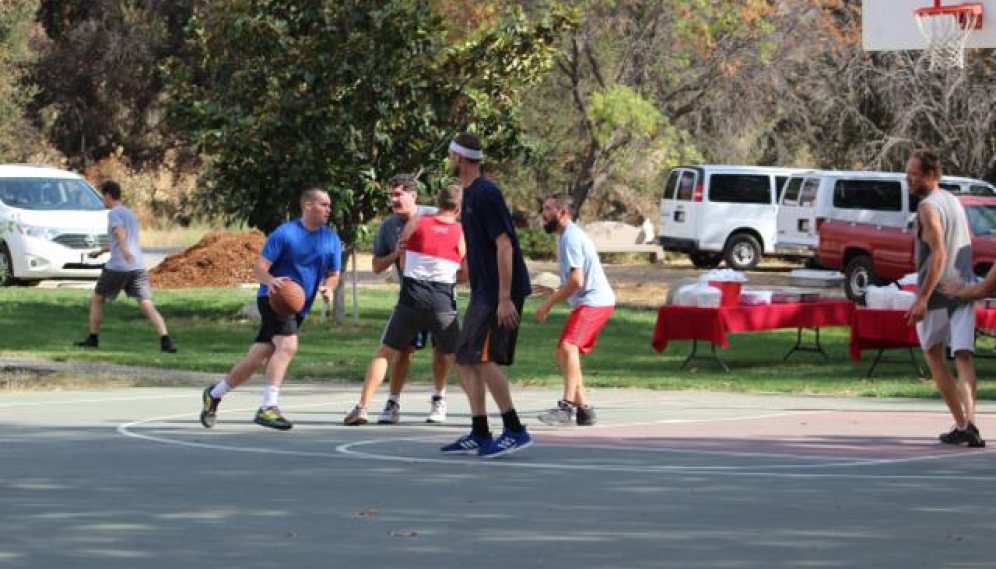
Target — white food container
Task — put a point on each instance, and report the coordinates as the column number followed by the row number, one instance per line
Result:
column 816, row 278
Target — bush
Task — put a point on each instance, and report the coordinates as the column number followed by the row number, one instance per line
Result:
column 537, row 244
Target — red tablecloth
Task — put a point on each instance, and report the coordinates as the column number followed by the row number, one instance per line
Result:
column 713, row 324
column 873, row 329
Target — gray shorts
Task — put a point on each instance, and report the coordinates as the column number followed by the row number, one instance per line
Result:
column 955, row 329
column 406, row 323
column 134, row 283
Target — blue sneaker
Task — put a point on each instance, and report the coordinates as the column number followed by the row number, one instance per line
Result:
column 467, row 444
column 507, row 443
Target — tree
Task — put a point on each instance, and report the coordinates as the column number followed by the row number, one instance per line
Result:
column 17, row 138
column 281, row 96
column 99, row 77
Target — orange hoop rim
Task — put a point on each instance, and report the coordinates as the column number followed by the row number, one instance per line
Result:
column 965, row 13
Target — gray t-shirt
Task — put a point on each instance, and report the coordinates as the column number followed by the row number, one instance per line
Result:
column 957, row 243
column 386, row 240
column 576, row 251
column 120, row 216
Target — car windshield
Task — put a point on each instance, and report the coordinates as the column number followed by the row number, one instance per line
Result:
column 982, row 219
column 49, row 194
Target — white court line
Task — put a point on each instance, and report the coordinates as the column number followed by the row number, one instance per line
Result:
column 347, row 450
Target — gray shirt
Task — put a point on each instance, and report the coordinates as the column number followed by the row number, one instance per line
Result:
column 576, row 251
column 957, row 244
column 386, row 240
column 120, row 216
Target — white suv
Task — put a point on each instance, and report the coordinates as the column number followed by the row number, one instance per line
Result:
column 49, row 220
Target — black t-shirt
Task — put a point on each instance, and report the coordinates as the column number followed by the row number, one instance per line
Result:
column 484, row 217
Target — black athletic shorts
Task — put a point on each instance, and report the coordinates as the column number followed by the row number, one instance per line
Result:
column 482, row 340
column 271, row 325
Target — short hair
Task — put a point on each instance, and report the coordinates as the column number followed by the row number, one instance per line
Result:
column 310, row 195
column 450, row 198
column 406, row 181
column 563, row 201
column 470, row 142
column 930, row 162
column 111, row 188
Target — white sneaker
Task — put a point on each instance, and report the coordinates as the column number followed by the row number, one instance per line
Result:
column 391, row 414
column 437, row 411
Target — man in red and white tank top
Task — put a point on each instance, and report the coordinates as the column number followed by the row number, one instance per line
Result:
column 432, row 265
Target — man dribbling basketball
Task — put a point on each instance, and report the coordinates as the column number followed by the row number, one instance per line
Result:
column 308, row 252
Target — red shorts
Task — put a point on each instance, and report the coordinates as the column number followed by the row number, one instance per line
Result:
column 583, row 326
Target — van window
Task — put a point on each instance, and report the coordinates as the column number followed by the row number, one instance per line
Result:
column 49, row 194
column 808, row 194
column 791, row 191
column 686, row 186
column 671, row 185
column 740, row 188
column 953, row 188
column 875, row 195
column 981, row 190
column 779, row 186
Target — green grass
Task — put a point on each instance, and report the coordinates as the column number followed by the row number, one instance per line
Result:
column 44, row 322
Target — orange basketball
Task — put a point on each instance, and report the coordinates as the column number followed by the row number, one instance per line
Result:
column 288, row 299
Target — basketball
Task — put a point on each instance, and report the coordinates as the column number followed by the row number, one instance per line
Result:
column 288, row 299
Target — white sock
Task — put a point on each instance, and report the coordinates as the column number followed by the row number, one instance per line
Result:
column 395, row 398
column 220, row 389
column 440, row 393
column 271, row 396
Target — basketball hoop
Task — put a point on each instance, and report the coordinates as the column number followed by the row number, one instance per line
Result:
column 946, row 29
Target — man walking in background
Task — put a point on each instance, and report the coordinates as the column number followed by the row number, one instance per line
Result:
column 943, row 253
column 388, row 250
column 584, row 286
column 308, row 252
column 499, row 285
column 124, row 271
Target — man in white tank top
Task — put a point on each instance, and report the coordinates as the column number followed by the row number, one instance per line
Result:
column 944, row 252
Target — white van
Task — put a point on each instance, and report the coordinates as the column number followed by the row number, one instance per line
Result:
column 715, row 213
column 49, row 220
column 877, row 198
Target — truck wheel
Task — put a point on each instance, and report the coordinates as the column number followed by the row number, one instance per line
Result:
column 703, row 260
column 858, row 274
column 6, row 266
column 742, row 252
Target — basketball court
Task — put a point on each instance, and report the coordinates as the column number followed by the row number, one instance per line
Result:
column 129, row 478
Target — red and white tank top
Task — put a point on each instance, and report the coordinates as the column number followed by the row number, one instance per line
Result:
column 432, row 259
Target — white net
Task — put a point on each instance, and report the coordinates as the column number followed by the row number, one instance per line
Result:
column 946, row 34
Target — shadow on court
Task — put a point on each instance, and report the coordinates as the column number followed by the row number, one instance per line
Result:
column 128, row 478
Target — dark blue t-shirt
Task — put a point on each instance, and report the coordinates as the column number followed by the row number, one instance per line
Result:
column 484, row 217
column 305, row 256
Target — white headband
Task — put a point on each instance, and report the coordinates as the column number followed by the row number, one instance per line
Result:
column 466, row 152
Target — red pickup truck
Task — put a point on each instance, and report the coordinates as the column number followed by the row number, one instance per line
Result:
column 877, row 254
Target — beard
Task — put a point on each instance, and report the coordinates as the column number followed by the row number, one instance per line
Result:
column 551, row 226
column 455, row 171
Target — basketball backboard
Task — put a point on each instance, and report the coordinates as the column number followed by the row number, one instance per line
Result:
column 889, row 25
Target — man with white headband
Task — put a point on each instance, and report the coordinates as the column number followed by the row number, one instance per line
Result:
column 499, row 285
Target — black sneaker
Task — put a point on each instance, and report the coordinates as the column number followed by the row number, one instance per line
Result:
column 968, row 436
column 166, row 345
column 585, row 416
column 209, row 410
column 91, row 341
column 974, row 437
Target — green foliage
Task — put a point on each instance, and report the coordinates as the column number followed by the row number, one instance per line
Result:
column 619, row 111
column 15, row 92
column 343, row 94
column 537, row 244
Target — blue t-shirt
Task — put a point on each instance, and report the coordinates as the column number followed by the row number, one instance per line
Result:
column 484, row 217
column 576, row 251
column 304, row 256
column 120, row 216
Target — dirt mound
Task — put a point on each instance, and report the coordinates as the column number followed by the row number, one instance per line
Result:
column 218, row 259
